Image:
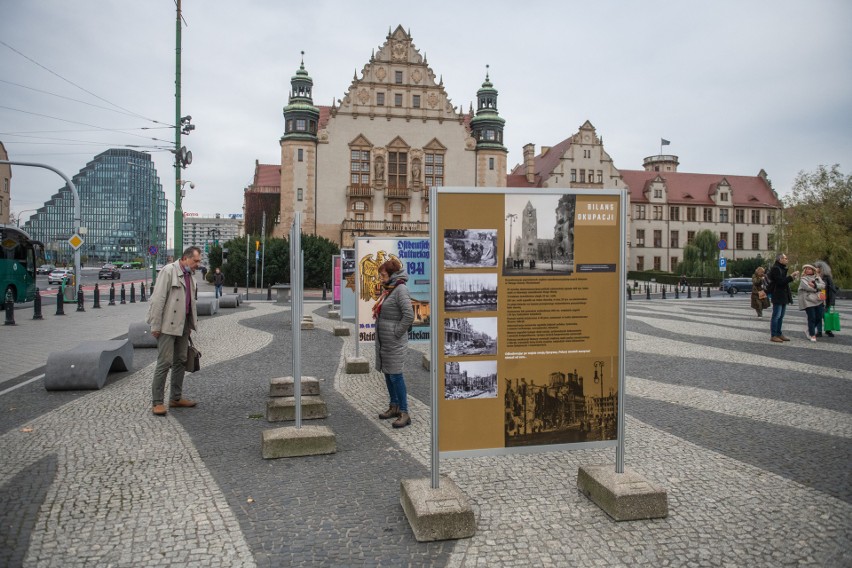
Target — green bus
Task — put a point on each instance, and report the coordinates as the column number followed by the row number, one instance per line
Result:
column 19, row 256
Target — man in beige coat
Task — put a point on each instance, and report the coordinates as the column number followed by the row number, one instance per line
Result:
column 172, row 316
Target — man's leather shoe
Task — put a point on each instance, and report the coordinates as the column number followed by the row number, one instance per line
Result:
column 159, row 410
column 182, row 403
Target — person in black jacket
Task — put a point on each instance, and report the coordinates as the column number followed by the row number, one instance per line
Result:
column 779, row 291
column 218, row 280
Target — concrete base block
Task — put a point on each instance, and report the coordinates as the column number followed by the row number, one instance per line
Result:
column 334, row 314
column 357, row 366
column 293, row 442
column 281, row 409
column 283, row 386
column 341, row 330
column 307, row 317
column 623, row 496
column 437, row 514
column 306, row 324
column 140, row 336
column 426, row 362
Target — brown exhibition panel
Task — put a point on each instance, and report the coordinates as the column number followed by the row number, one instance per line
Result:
column 527, row 318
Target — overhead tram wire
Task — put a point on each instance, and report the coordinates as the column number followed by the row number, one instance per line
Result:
column 84, row 102
column 82, row 123
column 33, row 61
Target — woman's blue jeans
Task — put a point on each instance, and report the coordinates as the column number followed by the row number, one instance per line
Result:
column 813, row 318
column 396, row 390
column 777, row 318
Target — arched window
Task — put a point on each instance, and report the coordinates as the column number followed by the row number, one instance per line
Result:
column 397, row 207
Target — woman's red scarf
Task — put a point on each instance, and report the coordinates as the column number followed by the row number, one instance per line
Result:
column 386, row 290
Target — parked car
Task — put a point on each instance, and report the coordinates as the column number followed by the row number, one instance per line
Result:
column 734, row 285
column 127, row 266
column 59, row 274
column 109, row 272
column 45, row 269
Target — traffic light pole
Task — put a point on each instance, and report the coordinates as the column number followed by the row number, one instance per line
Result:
column 178, row 220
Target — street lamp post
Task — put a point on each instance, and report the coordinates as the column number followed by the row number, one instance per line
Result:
column 511, row 217
column 18, row 220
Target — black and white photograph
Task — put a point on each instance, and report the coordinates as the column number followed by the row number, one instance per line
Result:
column 470, row 292
column 470, row 336
column 539, row 233
column 470, row 379
column 470, row 248
column 561, row 406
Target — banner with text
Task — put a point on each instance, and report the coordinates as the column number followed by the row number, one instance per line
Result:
column 413, row 254
column 528, row 318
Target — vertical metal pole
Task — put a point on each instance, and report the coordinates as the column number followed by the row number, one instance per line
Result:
column 248, row 238
column 357, row 299
column 178, row 240
column 433, row 328
column 622, row 334
column 296, row 312
column 262, row 248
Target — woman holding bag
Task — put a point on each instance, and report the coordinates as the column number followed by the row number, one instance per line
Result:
column 809, row 290
column 759, row 301
column 824, row 271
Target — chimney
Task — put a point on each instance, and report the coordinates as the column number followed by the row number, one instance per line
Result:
column 529, row 162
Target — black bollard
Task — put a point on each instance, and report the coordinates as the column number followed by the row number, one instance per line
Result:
column 111, row 294
column 629, row 293
column 708, row 291
column 151, row 290
column 647, row 292
column 80, row 302
column 689, row 291
column 664, row 293
column 10, row 309
column 132, row 293
column 269, row 292
column 123, row 296
column 142, row 297
column 235, row 289
column 60, row 304
column 37, row 306
column 699, row 291
column 324, row 291
column 677, row 293
column 97, row 294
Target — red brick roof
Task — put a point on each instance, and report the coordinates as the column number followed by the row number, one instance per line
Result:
column 687, row 188
column 543, row 167
column 266, row 175
column 325, row 113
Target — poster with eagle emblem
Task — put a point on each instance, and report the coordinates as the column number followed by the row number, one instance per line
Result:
column 413, row 254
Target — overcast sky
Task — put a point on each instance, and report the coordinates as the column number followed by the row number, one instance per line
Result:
column 736, row 86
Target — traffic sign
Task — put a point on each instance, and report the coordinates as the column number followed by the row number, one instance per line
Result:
column 723, row 244
column 152, row 250
column 76, row 241
column 723, row 263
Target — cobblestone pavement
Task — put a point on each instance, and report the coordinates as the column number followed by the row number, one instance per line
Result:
column 752, row 440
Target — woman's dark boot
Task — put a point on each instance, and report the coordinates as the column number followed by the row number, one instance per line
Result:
column 391, row 412
column 403, row 420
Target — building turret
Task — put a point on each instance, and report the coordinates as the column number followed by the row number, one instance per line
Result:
column 487, row 130
column 301, row 117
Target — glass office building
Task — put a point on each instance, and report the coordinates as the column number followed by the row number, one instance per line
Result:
column 123, row 208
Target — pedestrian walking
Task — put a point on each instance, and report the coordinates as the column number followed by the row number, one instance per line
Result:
column 394, row 315
column 779, row 291
column 218, row 281
column 172, row 315
column 759, row 299
column 683, row 282
column 809, row 298
column 824, row 272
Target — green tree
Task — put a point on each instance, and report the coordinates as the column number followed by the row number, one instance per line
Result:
column 818, row 218
column 701, row 257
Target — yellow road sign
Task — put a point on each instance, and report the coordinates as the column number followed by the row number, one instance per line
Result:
column 75, row 241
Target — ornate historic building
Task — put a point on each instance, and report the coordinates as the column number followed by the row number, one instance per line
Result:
column 363, row 165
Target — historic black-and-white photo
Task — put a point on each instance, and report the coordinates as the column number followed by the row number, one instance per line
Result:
column 470, row 248
column 470, row 292
column 539, row 234
column 470, row 379
column 562, row 407
column 470, row 336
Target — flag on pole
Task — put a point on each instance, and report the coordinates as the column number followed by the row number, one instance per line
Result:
column 664, row 142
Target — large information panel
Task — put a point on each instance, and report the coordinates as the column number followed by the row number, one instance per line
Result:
column 413, row 254
column 529, row 318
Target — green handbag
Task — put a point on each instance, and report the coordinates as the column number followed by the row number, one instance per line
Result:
column 831, row 320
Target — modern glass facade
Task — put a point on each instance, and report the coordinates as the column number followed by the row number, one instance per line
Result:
column 123, row 206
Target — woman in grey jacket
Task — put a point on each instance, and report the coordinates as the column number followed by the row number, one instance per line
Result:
column 809, row 300
column 394, row 316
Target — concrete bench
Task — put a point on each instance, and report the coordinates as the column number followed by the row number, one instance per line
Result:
column 229, row 301
column 139, row 335
column 206, row 306
column 86, row 366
